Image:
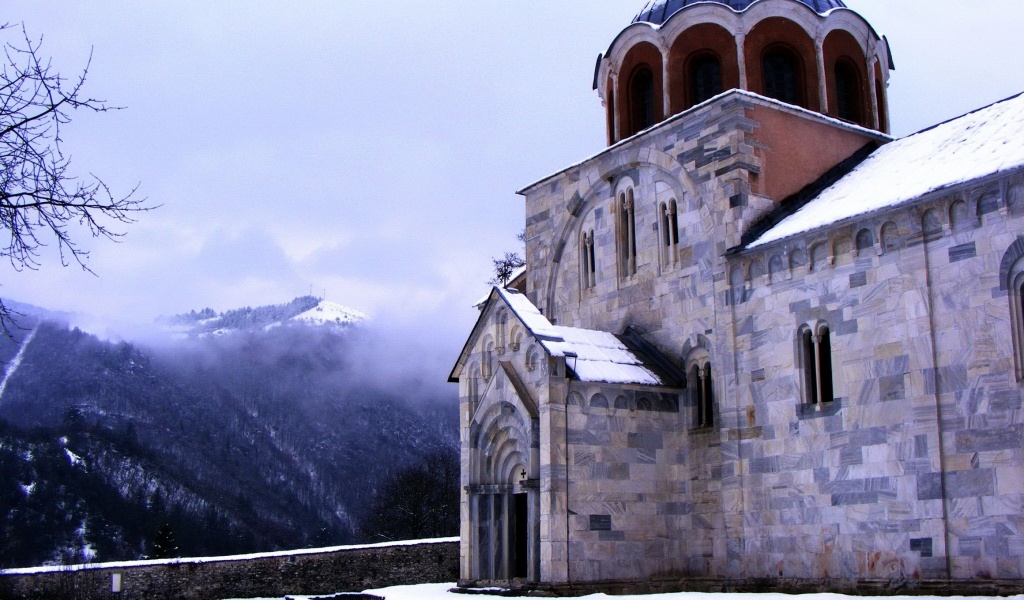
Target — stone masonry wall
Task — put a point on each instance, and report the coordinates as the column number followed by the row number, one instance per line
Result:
column 342, row 570
column 913, row 474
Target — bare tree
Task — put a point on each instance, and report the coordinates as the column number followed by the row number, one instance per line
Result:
column 41, row 200
column 506, row 266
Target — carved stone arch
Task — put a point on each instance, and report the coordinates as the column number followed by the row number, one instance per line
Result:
column 605, row 185
column 533, row 356
column 1011, row 256
column 819, row 256
column 496, row 431
column 504, row 414
column 700, row 14
column 501, row 319
column 738, row 283
column 515, row 340
column 776, row 268
column 755, row 271
column 931, row 224
column 629, row 37
column 1015, row 197
column 989, row 200
column 842, row 246
column 851, row 23
column 802, row 16
column 487, row 358
column 889, row 236
column 959, row 214
column 798, row 259
column 865, row 240
column 599, row 401
column 1011, row 279
column 694, row 345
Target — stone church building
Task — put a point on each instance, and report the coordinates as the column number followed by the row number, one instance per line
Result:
column 758, row 341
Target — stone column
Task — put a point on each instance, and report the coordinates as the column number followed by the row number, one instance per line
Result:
column 819, row 53
column 616, row 108
column 872, row 89
column 741, row 60
column 665, row 95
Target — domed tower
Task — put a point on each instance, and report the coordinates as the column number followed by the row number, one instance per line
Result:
column 815, row 54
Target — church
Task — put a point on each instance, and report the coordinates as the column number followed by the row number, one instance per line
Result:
column 758, row 343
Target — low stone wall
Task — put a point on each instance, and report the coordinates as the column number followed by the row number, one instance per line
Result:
column 326, row 571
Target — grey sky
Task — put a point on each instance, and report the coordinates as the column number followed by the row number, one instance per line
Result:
column 372, row 149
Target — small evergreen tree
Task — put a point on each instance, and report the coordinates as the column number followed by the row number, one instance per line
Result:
column 164, row 545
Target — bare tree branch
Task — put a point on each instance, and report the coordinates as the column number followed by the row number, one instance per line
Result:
column 41, row 200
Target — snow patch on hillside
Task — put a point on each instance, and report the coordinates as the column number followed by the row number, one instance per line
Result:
column 16, row 362
column 330, row 313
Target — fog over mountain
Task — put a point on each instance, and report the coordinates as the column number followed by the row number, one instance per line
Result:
column 254, row 429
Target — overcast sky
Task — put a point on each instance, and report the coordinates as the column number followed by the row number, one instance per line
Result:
column 371, row 150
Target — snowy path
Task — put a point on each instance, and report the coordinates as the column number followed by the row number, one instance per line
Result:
column 16, row 362
column 439, row 591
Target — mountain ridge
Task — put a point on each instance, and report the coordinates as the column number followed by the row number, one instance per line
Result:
column 273, row 437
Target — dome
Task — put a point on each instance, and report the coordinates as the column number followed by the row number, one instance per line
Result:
column 658, row 11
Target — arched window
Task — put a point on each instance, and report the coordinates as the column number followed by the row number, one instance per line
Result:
column 669, row 233
column 819, row 257
column 931, row 224
column 626, row 233
column 701, row 390
column 782, row 81
column 502, row 331
column 705, row 77
column 473, row 385
column 890, row 237
column 816, row 364
column 848, row 102
column 588, row 270
column 641, row 98
column 487, row 364
column 1011, row 273
column 865, row 240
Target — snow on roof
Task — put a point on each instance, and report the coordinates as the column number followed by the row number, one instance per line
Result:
column 986, row 141
column 593, row 356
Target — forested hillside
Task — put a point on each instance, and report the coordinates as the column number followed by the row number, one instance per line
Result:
column 258, row 439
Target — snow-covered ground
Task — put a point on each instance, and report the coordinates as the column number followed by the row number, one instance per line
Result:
column 332, row 313
column 439, row 591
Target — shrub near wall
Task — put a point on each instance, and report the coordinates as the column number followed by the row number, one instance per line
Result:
column 323, row 571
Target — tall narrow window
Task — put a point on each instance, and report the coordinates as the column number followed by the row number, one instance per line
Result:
column 588, row 271
column 702, row 392
column 848, row 104
column 626, row 234
column 707, row 396
column 641, row 97
column 816, row 363
column 669, row 225
column 781, row 70
column 705, row 78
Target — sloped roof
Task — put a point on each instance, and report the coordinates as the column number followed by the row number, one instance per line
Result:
column 987, row 141
column 592, row 356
